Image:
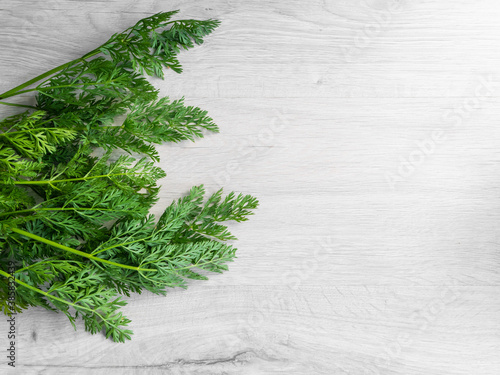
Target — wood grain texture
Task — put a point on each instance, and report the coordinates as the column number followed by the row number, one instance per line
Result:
column 369, row 131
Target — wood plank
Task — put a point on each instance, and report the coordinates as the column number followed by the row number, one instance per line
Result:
column 274, row 330
column 368, row 131
column 275, row 50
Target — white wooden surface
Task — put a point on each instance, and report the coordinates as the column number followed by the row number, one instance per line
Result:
column 358, row 261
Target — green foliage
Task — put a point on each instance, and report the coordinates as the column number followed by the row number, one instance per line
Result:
column 150, row 45
column 76, row 225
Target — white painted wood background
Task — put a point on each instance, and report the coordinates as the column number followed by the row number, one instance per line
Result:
column 367, row 255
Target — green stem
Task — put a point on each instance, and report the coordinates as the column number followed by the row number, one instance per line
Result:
column 92, row 53
column 19, row 105
column 202, row 264
column 8, row 134
column 45, row 182
column 55, row 260
column 74, row 251
column 41, row 89
column 13, row 91
column 60, row 209
column 123, row 244
column 50, row 296
column 194, row 265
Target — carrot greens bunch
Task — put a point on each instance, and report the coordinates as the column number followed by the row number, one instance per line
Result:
column 75, row 230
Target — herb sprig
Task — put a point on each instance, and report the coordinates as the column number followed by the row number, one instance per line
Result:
column 76, row 225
